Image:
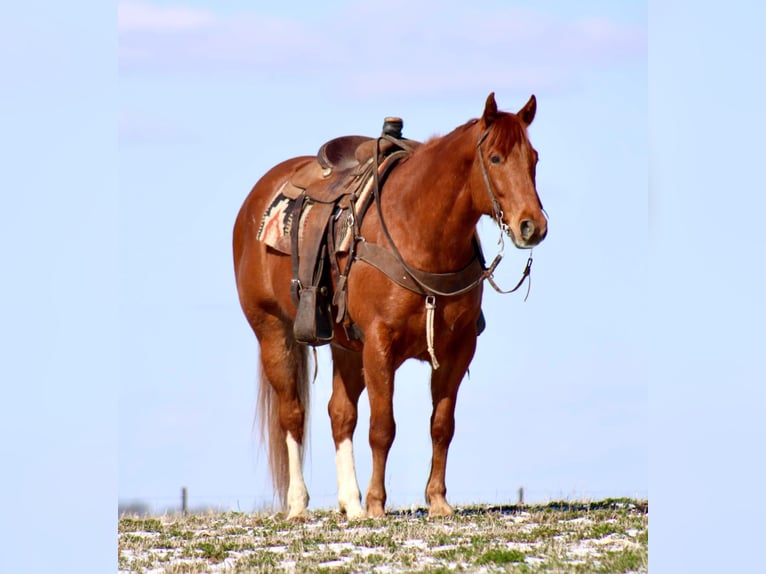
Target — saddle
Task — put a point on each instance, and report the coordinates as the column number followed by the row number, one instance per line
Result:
column 347, row 152
column 330, row 195
column 342, row 156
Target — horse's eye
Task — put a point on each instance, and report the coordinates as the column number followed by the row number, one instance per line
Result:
column 495, row 159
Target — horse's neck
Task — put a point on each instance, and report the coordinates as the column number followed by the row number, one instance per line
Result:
column 433, row 219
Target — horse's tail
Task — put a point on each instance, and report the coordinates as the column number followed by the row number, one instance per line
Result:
column 267, row 412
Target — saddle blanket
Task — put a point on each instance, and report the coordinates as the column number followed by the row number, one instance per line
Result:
column 277, row 222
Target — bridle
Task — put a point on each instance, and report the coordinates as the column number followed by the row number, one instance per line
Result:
column 431, row 290
column 496, row 208
column 497, row 215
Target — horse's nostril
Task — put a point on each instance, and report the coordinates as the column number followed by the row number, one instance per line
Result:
column 527, row 229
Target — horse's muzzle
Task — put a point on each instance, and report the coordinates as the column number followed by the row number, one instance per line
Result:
column 530, row 233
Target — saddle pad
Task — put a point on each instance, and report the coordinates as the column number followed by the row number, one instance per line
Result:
column 277, row 223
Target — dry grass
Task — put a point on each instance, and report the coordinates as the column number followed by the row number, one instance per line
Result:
column 607, row 536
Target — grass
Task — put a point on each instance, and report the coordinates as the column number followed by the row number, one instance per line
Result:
column 501, row 556
column 606, row 536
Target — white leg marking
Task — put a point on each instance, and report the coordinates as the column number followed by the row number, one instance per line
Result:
column 349, row 497
column 297, row 495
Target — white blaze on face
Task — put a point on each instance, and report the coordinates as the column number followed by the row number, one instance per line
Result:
column 297, row 495
column 349, row 497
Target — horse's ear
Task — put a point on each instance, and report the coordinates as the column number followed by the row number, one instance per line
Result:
column 490, row 110
column 527, row 113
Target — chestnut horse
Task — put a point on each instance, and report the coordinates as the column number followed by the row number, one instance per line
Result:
column 430, row 204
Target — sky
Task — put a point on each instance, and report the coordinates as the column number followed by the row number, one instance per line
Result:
column 210, row 99
column 133, row 132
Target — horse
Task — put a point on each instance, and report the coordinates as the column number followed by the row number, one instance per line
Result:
column 425, row 218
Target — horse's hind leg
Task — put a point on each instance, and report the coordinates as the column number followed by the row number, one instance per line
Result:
column 347, row 385
column 445, row 382
column 283, row 363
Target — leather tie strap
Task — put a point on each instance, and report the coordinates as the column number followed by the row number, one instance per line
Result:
column 527, row 273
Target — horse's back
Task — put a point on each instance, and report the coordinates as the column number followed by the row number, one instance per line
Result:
column 259, row 271
column 254, row 206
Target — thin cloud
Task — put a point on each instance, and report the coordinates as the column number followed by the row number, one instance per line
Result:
column 427, row 50
column 181, row 40
column 141, row 16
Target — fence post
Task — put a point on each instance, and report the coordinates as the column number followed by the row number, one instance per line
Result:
column 184, row 500
column 521, row 495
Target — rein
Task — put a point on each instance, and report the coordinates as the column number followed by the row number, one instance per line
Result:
column 425, row 283
column 423, row 280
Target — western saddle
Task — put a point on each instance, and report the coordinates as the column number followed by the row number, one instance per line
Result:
column 331, row 195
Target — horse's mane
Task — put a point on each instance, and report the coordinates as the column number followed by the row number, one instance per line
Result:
column 458, row 131
column 506, row 131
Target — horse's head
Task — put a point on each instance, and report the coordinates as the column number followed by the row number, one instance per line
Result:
column 506, row 162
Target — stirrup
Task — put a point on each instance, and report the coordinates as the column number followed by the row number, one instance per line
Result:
column 312, row 326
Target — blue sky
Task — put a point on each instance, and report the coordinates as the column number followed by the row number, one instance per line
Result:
column 128, row 370
column 209, row 100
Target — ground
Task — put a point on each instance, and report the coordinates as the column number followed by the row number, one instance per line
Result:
column 606, row 536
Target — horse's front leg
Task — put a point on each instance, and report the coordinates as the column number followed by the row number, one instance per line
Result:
column 379, row 377
column 347, row 385
column 445, row 382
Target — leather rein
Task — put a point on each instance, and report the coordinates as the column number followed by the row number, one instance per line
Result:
column 392, row 262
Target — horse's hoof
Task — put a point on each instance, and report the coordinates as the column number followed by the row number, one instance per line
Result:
column 376, row 511
column 440, row 509
column 299, row 516
column 356, row 513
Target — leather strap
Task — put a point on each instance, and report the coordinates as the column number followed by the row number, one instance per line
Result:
column 421, row 278
column 295, row 216
column 445, row 284
column 397, row 269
